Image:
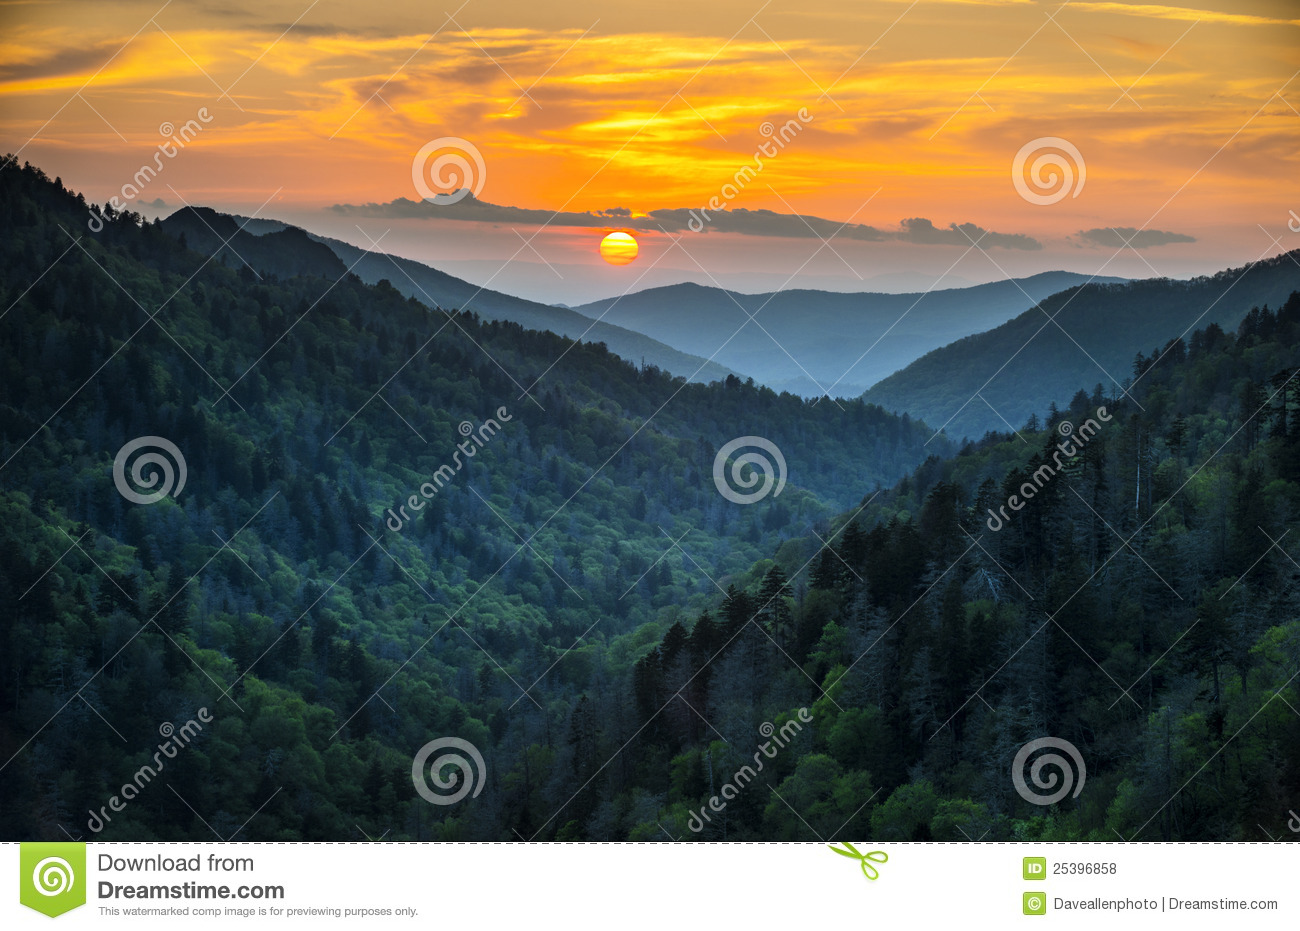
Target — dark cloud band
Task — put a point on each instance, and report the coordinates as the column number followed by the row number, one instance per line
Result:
column 915, row 230
column 1120, row 236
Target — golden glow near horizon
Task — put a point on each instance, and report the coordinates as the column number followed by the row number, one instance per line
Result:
column 1188, row 115
column 619, row 248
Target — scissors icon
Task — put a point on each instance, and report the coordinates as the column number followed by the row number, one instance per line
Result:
column 869, row 871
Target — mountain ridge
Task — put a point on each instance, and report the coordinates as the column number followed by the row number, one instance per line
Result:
column 1084, row 335
column 205, row 228
column 811, row 341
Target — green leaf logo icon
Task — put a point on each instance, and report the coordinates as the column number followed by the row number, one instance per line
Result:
column 52, row 877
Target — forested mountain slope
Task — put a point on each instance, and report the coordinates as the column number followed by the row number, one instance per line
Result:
column 1077, row 337
column 287, row 250
column 274, row 590
column 1121, row 578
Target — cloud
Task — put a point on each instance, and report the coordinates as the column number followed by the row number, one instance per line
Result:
column 766, row 223
column 921, row 231
column 56, row 63
column 473, row 209
column 739, row 220
column 1160, row 11
column 1119, row 236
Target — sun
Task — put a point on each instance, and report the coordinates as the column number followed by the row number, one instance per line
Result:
column 618, row 248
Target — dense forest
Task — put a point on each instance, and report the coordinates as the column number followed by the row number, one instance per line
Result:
column 1136, row 607
column 307, row 408
column 581, row 604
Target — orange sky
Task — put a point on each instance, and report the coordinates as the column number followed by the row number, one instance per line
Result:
column 1186, row 116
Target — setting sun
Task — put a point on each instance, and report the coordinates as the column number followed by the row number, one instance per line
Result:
column 619, row 248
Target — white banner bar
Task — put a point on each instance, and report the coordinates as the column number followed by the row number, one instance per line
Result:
column 635, row 886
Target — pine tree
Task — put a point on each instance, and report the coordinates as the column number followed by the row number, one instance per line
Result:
column 775, row 609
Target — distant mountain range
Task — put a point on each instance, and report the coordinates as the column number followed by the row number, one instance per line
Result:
column 802, row 341
column 808, row 342
column 284, row 251
column 967, row 360
column 568, row 284
column 1073, row 340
